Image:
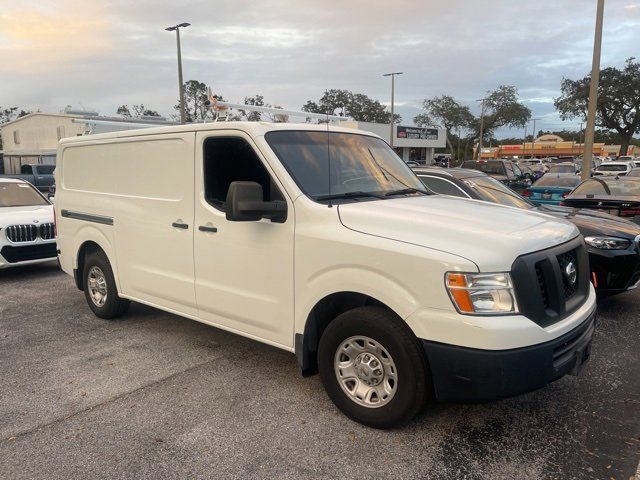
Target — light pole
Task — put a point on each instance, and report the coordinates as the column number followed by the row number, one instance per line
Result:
column 533, row 138
column 393, row 88
column 587, row 158
column 481, row 127
column 180, row 83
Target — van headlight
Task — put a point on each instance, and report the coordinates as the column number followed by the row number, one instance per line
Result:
column 481, row 293
column 608, row 243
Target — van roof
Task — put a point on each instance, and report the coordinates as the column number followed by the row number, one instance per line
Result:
column 253, row 128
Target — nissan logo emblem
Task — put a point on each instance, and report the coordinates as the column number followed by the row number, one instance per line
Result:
column 570, row 273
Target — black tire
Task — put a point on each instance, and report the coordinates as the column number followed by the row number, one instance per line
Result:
column 113, row 306
column 414, row 384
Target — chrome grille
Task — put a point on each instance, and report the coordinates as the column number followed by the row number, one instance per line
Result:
column 22, row 233
column 46, row 231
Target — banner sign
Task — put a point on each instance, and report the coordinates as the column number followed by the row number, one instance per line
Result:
column 417, row 133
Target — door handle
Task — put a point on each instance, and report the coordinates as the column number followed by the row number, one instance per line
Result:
column 183, row 226
column 202, row 228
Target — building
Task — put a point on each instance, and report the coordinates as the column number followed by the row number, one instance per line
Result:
column 415, row 144
column 551, row 146
column 34, row 137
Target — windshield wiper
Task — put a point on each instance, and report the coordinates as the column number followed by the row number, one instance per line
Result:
column 348, row 195
column 404, row 191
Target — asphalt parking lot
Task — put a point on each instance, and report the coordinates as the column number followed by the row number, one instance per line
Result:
column 156, row 396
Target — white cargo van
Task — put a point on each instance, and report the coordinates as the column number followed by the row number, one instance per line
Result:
column 321, row 241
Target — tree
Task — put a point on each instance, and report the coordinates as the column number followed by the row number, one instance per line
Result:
column 618, row 105
column 356, row 105
column 140, row 110
column 445, row 112
column 502, row 109
column 252, row 116
column 195, row 98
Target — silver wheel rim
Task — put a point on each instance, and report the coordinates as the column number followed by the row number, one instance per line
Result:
column 97, row 284
column 365, row 371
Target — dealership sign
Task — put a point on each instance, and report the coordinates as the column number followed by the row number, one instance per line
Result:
column 416, row 133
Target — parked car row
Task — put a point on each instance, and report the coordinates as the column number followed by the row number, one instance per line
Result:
column 613, row 243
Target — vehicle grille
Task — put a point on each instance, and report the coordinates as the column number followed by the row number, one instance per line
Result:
column 47, row 231
column 14, row 254
column 22, row 233
column 564, row 260
column 542, row 286
column 29, row 232
column 543, row 290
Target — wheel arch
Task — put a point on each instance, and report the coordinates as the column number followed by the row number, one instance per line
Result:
column 84, row 249
column 320, row 316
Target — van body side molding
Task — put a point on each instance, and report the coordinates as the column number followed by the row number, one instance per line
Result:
column 87, row 217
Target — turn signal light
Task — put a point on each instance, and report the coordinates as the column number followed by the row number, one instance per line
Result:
column 526, row 193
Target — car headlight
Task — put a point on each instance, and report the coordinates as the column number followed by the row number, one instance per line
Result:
column 608, row 243
column 482, row 293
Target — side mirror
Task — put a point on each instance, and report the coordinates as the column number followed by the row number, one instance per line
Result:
column 245, row 204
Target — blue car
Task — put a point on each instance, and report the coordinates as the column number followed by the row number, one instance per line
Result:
column 552, row 188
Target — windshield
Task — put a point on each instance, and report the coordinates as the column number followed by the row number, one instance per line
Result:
column 356, row 165
column 19, row 195
column 495, row 168
column 562, row 169
column 46, row 169
column 492, row 190
column 622, row 187
column 613, row 168
column 551, row 180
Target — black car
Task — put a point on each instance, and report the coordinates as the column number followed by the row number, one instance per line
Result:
column 506, row 171
column 619, row 196
column 613, row 243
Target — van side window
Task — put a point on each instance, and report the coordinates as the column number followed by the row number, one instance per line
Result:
column 232, row 159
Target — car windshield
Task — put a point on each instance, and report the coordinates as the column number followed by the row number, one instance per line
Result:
column 333, row 165
column 495, row 168
column 15, row 194
column 551, row 180
column 562, row 169
column 613, row 168
column 492, row 190
column 620, row 187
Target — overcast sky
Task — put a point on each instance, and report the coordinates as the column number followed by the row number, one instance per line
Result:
column 103, row 53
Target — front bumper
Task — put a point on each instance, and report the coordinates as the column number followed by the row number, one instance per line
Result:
column 616, row 271
column 469, row 374
column 18, row 255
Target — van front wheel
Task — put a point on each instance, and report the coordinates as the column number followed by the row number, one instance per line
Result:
column 100, row 287
column 373, row 367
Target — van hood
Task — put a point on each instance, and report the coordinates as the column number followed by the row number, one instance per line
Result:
column 490, row 235
column 26, row 215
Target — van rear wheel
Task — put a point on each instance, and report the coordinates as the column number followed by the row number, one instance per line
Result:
column 100, row 288
column 373, row 367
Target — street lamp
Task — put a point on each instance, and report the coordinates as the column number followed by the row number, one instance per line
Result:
column 181, row 85
column 393, row 87
column 481, row 127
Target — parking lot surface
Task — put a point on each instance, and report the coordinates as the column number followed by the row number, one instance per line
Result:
column 153, row 395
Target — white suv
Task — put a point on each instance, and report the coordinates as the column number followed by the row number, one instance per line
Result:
column 321, row 241
column 26, row 225
column 614, row 168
